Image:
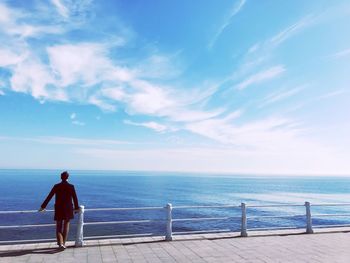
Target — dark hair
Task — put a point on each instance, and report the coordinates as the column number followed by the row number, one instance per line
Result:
column 64, row 176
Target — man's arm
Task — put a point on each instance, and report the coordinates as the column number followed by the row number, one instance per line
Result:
column 48, row 198
column 75, row 199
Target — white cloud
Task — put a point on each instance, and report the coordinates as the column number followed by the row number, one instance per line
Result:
column 101, row 103
column 254, row 48
column 33, row 77
column 149, row 99
column 2, row 93
column 158, row 66
column 25, row 31
column 151, row 125
column 268, row 135
column 332, row 94
column 78, row 123
column 61, row 8
column 116, row 93
column 310, row 160
column 190, row 115
column 341, row 54
column 280, row 95
column 291, row 30
column 265, row 48
column 10, row 25
column 6, row 14
column 66, row 141
column 9, row 58
column 234, row 11
column 86, row 73
column 270, row 73
column 75, row 121
column 86, row 63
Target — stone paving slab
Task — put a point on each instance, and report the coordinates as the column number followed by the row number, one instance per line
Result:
column 272, row 246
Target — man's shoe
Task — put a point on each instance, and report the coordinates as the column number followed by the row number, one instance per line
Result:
column 62, row 247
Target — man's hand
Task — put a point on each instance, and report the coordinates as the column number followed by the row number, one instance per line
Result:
column 76, row 211
column 41, row 209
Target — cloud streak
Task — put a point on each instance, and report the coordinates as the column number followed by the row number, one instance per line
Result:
column 234, row 11
column 61, row 8
column 150, row 125
column 341, row 54
column 66, row 141
column 261, row 76
column 281, row 95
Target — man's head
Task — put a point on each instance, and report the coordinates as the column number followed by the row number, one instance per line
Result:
column 64, row 176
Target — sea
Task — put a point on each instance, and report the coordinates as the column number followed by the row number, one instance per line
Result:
column 26, row 190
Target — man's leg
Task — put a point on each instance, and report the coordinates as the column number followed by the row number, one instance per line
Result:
column 59, row 232
column 65, row 231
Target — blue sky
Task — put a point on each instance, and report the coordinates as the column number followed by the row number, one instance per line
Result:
column 240, row 86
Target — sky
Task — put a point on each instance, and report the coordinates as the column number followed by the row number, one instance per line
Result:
column 239, row 86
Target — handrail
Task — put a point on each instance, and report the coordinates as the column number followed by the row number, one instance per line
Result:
column 168, row 220
column 205, row 206
column 26, row 226
column 273, row 205
column 182, row 207
column 331, row 204
column 278, row 216
column 202, row 218
column 121, row 222
column 124, row 208
column 24, row 211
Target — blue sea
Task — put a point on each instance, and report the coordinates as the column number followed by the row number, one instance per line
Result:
column 26, row 190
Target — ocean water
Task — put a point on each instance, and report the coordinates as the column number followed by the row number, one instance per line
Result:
column 26, row 190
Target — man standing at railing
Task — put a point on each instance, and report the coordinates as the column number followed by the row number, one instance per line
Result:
column 64, row 193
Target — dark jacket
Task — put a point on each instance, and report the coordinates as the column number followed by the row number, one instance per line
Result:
column 64, row 193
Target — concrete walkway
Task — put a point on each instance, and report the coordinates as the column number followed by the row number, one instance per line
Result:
column 266, row 247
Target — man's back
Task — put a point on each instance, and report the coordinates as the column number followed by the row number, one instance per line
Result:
column 64, row 193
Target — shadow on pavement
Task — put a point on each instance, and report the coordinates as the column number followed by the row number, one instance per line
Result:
column 17, row 253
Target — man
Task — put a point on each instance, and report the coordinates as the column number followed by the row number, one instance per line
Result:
column 64, row 193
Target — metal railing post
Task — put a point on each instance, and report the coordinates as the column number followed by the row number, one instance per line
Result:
column 309, row 229
column 244, row 221
column 79, row 239
column 169, row 223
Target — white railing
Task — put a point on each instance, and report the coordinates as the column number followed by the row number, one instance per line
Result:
column 243, row 218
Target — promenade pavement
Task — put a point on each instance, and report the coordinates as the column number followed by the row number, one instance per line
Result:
column 258, row 247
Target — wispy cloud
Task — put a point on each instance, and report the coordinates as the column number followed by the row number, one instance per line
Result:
column 31, row 76
column 341, row 54
column 332, row 94
column 291, row 30
column 281, row 95
column 150, row 125
column 324, row 96
column 269, row 134
column 11, row 22
column 73, row 117
column 85, row 72
column 8, row 58
column 266, row 47
column 78, row 123
column 297, row 159
column 87, row 63
column 227, row 21
column 66, row 141
column 61, row 8
column 259, row 77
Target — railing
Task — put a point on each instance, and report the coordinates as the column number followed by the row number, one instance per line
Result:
column 168, row 209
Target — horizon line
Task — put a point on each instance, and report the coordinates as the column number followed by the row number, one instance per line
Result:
column 209, row 173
